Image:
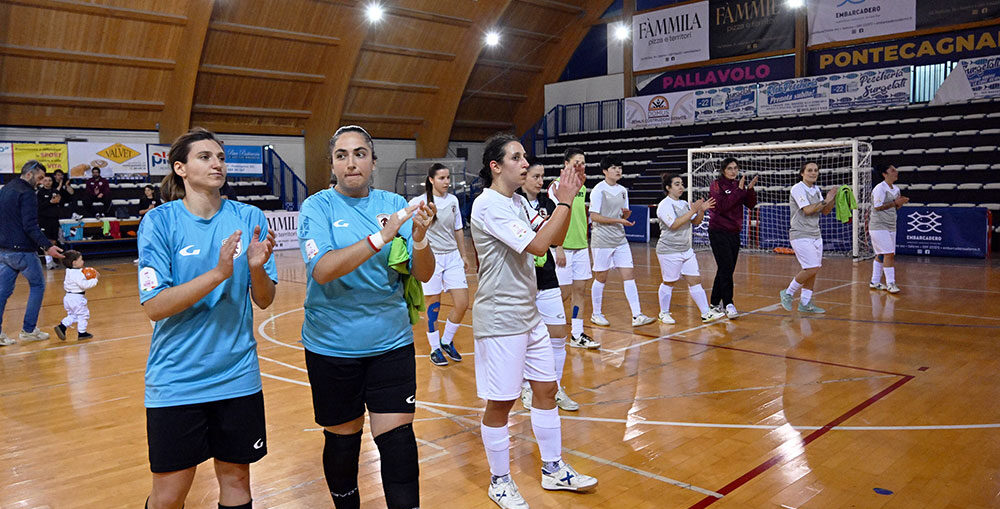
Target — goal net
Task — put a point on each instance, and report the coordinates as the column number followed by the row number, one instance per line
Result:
column 776, row 166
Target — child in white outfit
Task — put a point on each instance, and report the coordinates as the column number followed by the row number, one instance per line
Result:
column 76, row 284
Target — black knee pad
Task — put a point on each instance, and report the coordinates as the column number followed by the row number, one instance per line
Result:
column 340, row 465
column 400, row 472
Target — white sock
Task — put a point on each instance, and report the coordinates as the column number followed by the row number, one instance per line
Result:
column 890, row 275
column 699, row 297
column 433, row 340
column 793, row 287
column 664, row 293
column 806, row 297
column 450, row 328
column 576, row 326
column 632, row 294
column 559, row 352
column 497, row 444
column 876, row 272
column 548, row 433
column 597, row 296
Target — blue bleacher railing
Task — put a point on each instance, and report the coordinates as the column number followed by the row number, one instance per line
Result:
column 283, row 181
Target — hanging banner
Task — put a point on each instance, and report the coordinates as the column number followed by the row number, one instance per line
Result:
column 725, row 103
column 943, row 231
column 983, row 75
column 672, row 36
column 795, row 96
column 244, row 160
column 120, row 160
column 659, row 110
column 744, row 27
column 845, row 20
column 753, row 71
column 6, row 158
column 639, row 231
column 928, row 49
column 159, row 165
column 52, row 155
column 866, row 89
column 285, row 227
column 935, row 13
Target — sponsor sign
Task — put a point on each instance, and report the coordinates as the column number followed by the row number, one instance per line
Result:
column 753, row 71
column 672, row 36
column 6, row 158
column 158, row 164
column 983, row 75
column 52, row 155
column 126, row 160
column 638, row 232
column 802, row 95
column 935, row 13
column 284, row 225
column 244, row 160
column 942, row 231
column 659, row 110
column 845, row 20
column 725, row 103
column 743, row 27
column 866, row 89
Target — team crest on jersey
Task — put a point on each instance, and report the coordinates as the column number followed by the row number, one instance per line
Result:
column 519, row 230
column 147, row 279
column 311, row 249
column 383, row 219
column 239, row 248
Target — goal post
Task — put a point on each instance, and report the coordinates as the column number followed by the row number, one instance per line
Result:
column 776, row 166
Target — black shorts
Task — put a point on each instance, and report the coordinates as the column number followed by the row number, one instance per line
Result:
column 183, row 436
column 342, row 387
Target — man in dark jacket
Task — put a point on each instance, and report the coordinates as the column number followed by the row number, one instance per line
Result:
column 98, row 190
column 20, row 239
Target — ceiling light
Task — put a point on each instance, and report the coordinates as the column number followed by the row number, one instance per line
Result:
column 374, row 12
column 622, row 32
column 492, row 39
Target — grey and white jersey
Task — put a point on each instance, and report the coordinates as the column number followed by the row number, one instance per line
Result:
column 441, row 233
column 505, row 299
column 883, row 219
column 608, row 201
column 672, row 241
column 803, row 226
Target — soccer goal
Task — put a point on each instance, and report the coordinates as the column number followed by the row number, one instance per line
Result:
column 776, row 166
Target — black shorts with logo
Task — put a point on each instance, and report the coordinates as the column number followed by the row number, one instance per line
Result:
column 342, row 387
column 230, row 430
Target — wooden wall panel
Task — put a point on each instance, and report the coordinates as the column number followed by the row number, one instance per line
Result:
column 177, row 7
column 239, row 50
column 381, row 102
column 420, row 34
column 251, row 92
column 536, row 19
column 380, row 66
column 47, row 77
column 59, row 116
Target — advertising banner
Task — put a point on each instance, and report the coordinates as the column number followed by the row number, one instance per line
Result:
column 845, row 20
column 744, row 27
column 159, row 165
column 928, row 49
column 866, row 89
column 753, row 71
column 935, row 13
column 285, row 226
column 6, row 158
column 942, row 231
column 983, row 75
column 244, row 160
column 801, row 95
column 53, row 155
column 672, row 36
column 122, row 160
column 638, row 232
column 725, row 103
column 659, row 110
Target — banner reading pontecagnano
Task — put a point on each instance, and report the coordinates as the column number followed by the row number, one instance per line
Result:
column 53, row 155
column 753, row 71
column 6, row 158
column 846, row 20
column 725, row 103
column 121, row 160
column 867, row 89
column 744, row 27
column 671, row 36
column 659, row 110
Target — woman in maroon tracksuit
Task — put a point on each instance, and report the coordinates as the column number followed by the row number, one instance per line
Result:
column 724, row 226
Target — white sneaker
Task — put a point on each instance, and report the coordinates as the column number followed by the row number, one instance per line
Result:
column 892, row 288
column 598, row 319
column 731, row 311
column 562, row 400
column 566, row 478
column 506, row 495
column 76, row 217
column 712, row 315
column 35, row 335
column 583, row 341
column 876, row 286
column 526, row 396
column 5, row 340
column 641, row 319
column 666, row 318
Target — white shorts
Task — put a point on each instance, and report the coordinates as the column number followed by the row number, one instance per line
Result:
column 577, row 267
column 672, row 265
column 883, row 241
column 809, row 252
column 449, row 274
column 607, row 258
column 503, row 362
column 550, row 305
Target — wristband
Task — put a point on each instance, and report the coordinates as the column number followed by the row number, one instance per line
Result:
column 375, row 242
column 565, row 205
column 401, row 214
column 420, row 245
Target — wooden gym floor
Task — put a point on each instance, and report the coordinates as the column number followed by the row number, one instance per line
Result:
column 772, row 410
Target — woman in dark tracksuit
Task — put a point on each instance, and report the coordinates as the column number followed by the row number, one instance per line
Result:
column 724, row 226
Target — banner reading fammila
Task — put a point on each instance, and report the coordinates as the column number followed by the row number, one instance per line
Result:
column 672, row 36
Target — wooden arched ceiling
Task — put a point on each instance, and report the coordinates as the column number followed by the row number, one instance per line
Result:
column 287, row 67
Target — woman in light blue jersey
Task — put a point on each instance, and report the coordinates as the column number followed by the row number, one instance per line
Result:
column 357, row 331
column 203, row 389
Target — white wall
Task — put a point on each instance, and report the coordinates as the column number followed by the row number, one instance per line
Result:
column 599, row 88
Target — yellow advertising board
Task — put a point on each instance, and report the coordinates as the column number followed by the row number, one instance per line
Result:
column 55, row 156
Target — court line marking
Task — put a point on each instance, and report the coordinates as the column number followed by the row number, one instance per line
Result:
column 893, row 322
column 74, row 344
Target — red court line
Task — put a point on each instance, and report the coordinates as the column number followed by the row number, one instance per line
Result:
column 768, row 354
column 774, row 460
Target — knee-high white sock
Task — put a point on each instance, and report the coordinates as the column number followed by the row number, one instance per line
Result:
column 890, row 275
column 433, row 340
column 497, row 444
column 664, row 294
column 548, row 433
column 450, row 328
column 793, row 287
column 876, row 272
column 576, row 326
column 699, row 297
column 597, row 296
column 632, row 295
column 807, row 296
column 559, row 352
